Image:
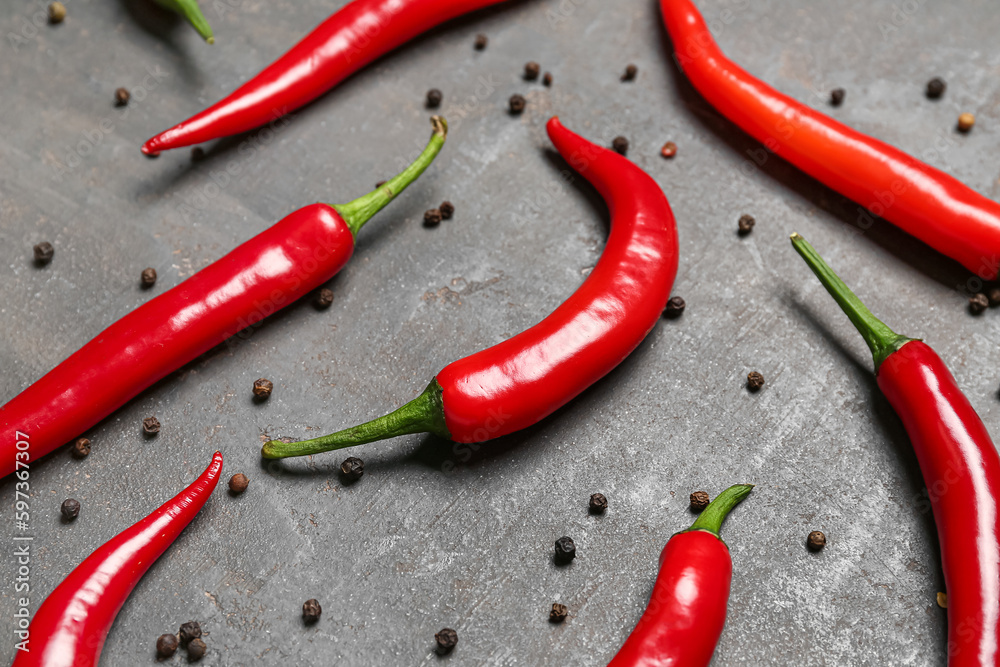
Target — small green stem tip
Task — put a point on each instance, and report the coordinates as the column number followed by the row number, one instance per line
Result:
column 711, row 518
column 882, row 340
column 190, row 10
column 424, row 414
column 361, row 210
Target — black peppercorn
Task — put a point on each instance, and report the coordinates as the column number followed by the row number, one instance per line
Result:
column 481, row 42
column 745, row 224
column 238, row 483
column 262, row 388
column 620, row 144
column 699, row 500
column 558, row 613
column 196, row 649
column 70, row 509
column 324, row 298
column 122, row 97
column 189, row 632
column 630, row 72
column 44, row 252
column 754, row 381
column 816, row 540
column 598, row 503
column 148, row 277
column 979, row 303
column 531, row 71
column 517, row 103
column 150, row 425
column 447, row 210
column 432, row 218
column 311, row 610
column 352, row 468
column 565, row 550
column 675, row 307
column 935, row 88
column 547, row 79
column 446, row 640
column 993, row 294
column 837, row 97
column 166, row 645
column 81, row 448
column 434, row 97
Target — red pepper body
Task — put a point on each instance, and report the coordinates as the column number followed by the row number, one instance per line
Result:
column 917, row 198
column 961, row 469
column 69, row 629
column 347, row 41
column 261, row 276
column 687, row 610
column 525, row 378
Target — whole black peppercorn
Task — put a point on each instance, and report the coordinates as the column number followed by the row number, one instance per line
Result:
column 598, row 503
column 238, row 483
column 262, row 388
column 565, row 550
column 446, row 640
column 352, row 468
column 432, row 218
column 44, row 252
column 630, row 72
column 166, row 645
column 481, row 42
column 979, row 303
column 531, row 71
column 81, row 448
column 745, row 224
column 434, row 97
column 150, row 425
column 196, row 649
column 70, row 509
column 558, row 613
column 675, row 307
column 935, row 88
column 837, row 96
column 447, row 210
column 122, row 97
column 189, row 632
column 754, row 381
column 620, row 144
column 816, row 540
column 547, row 79
column 517, row 103
column 993, row 294
column 699, row 500
column 311, row 610
column 148, row 277
column 324, row 298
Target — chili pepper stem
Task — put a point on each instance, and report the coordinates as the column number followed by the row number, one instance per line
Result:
column 190, row 10
column 361, row 210
column 711, row 518
column 882, row 340
column 424, row 414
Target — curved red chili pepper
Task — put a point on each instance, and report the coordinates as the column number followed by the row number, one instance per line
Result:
column 263, row 275
column 960, row 465
column 525, row 378
column 919, row 199
column 687, row 610
column 354, row 36
column 69, row 629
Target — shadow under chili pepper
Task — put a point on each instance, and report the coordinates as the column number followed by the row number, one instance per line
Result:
column 884, row 234
column 162, row 24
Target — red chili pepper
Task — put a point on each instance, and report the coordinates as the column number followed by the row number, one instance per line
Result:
column 687, row 609
column 917, row 198
column 356, row 35
column 960, row 465
column 263, row 275
column 525, row 378
column 70, row 627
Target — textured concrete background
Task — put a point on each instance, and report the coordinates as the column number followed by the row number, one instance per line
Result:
column 413, row 546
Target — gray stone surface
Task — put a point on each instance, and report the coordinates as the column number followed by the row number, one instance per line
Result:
column 412, row 548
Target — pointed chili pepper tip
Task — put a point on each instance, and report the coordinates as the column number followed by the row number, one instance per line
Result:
column 711, row 518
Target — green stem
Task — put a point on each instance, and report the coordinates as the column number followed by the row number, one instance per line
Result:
column 190, row 10
column 882, row 340
column 361, row 210
column 424, row 414
column 711, row 518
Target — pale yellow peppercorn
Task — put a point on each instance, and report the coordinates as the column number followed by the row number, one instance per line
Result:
column 942, row 600
column 57, row 12
column 966, row 121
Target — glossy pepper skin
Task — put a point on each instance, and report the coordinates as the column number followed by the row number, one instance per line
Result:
column 70, row 627
column 919, row 199
column 687, row 610
column 261, row 276
column 524, row 379
column 357, row 34
column 960, row 466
